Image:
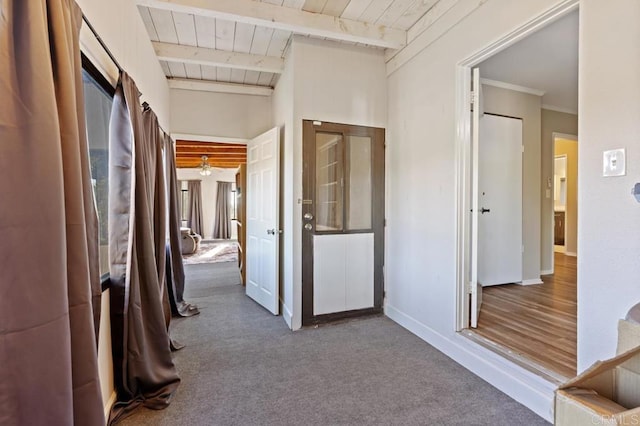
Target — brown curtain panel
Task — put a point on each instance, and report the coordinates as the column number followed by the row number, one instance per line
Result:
column 175, row 268
column 195, row 206
column 49, row 305
column 222, row 224
column 144, row 372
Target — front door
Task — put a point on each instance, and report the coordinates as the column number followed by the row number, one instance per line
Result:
column 500, row 199
column 263, row 236
column 343, row 221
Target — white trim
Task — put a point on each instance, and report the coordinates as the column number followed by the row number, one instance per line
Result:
column 207, row 138
column 286, row 314
column 214, row 86
column 546, row 271
column 532, row 281
column 109, row 404
column 217, row 58
column 438, row 25
column 560, row 109
column 287, row 19
column 522, row 385
column 514, row 87
column 436, row 12
column 462, row 185
column 570, row 253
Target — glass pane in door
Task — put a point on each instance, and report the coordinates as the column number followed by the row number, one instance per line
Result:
column 329, row 182
column 359, row 183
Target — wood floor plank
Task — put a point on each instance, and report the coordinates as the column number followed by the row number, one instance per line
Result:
column 536, row 321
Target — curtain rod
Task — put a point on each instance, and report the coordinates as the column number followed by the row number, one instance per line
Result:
column 145, row 105
column 102, row 43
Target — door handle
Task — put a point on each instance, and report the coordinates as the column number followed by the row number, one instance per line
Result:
column 308, row 226
column 483, row 210
column 274, row 231
column 308, row 216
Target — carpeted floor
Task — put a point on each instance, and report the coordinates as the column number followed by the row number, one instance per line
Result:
column 243, row 366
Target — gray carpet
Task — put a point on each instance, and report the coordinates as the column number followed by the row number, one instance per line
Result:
column 243, row 366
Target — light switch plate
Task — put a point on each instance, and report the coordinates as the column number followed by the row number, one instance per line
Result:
column 614, row 163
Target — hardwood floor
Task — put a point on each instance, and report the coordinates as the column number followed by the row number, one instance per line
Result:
column 537, row 322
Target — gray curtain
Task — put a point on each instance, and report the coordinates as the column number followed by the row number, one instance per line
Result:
column 50, row 298
column 222, row 224
column 175, row 268
column 195, row 206
column 144, row 373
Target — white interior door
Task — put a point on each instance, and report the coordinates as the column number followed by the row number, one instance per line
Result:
column 263, row 235
column 474, row 286
column 500, row 201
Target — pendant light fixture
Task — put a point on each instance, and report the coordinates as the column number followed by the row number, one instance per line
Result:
column 205, row 168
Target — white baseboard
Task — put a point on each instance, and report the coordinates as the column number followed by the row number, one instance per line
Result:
column 546, row 272
column 570, row 253
column 287, row 315
column 527, row 388
column 532, row 281
column 109, row 404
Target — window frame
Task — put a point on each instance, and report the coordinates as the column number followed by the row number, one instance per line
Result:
column 98, row 77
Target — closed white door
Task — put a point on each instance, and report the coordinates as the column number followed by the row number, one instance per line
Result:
column 500, row 201
column 263, row 235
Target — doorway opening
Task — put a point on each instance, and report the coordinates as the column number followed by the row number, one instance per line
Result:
column 517, row 295
column 565, row 194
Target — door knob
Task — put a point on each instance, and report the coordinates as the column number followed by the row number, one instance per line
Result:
column 274, row 231
column 308, row 216
column 483, row 210
column 308, row 226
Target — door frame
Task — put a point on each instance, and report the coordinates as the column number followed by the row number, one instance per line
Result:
column 463, row 147
column 377, row 225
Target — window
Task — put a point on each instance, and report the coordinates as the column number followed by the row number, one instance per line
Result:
column 98, row 97
column 344, row 182
column 233, row 214
column 184, row 203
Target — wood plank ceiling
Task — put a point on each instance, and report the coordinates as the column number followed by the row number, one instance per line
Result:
column 168, row 25
column 223, row 155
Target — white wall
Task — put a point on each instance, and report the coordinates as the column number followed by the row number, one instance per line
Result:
column 220, row 114
column 422, row 183
column 209, row 186
column 527, row 107
column 331, row 82
column 609, row 221
column 120, row 26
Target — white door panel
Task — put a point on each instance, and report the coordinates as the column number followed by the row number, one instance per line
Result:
column 500, row 192
column 263, row 237
column 343, row 272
